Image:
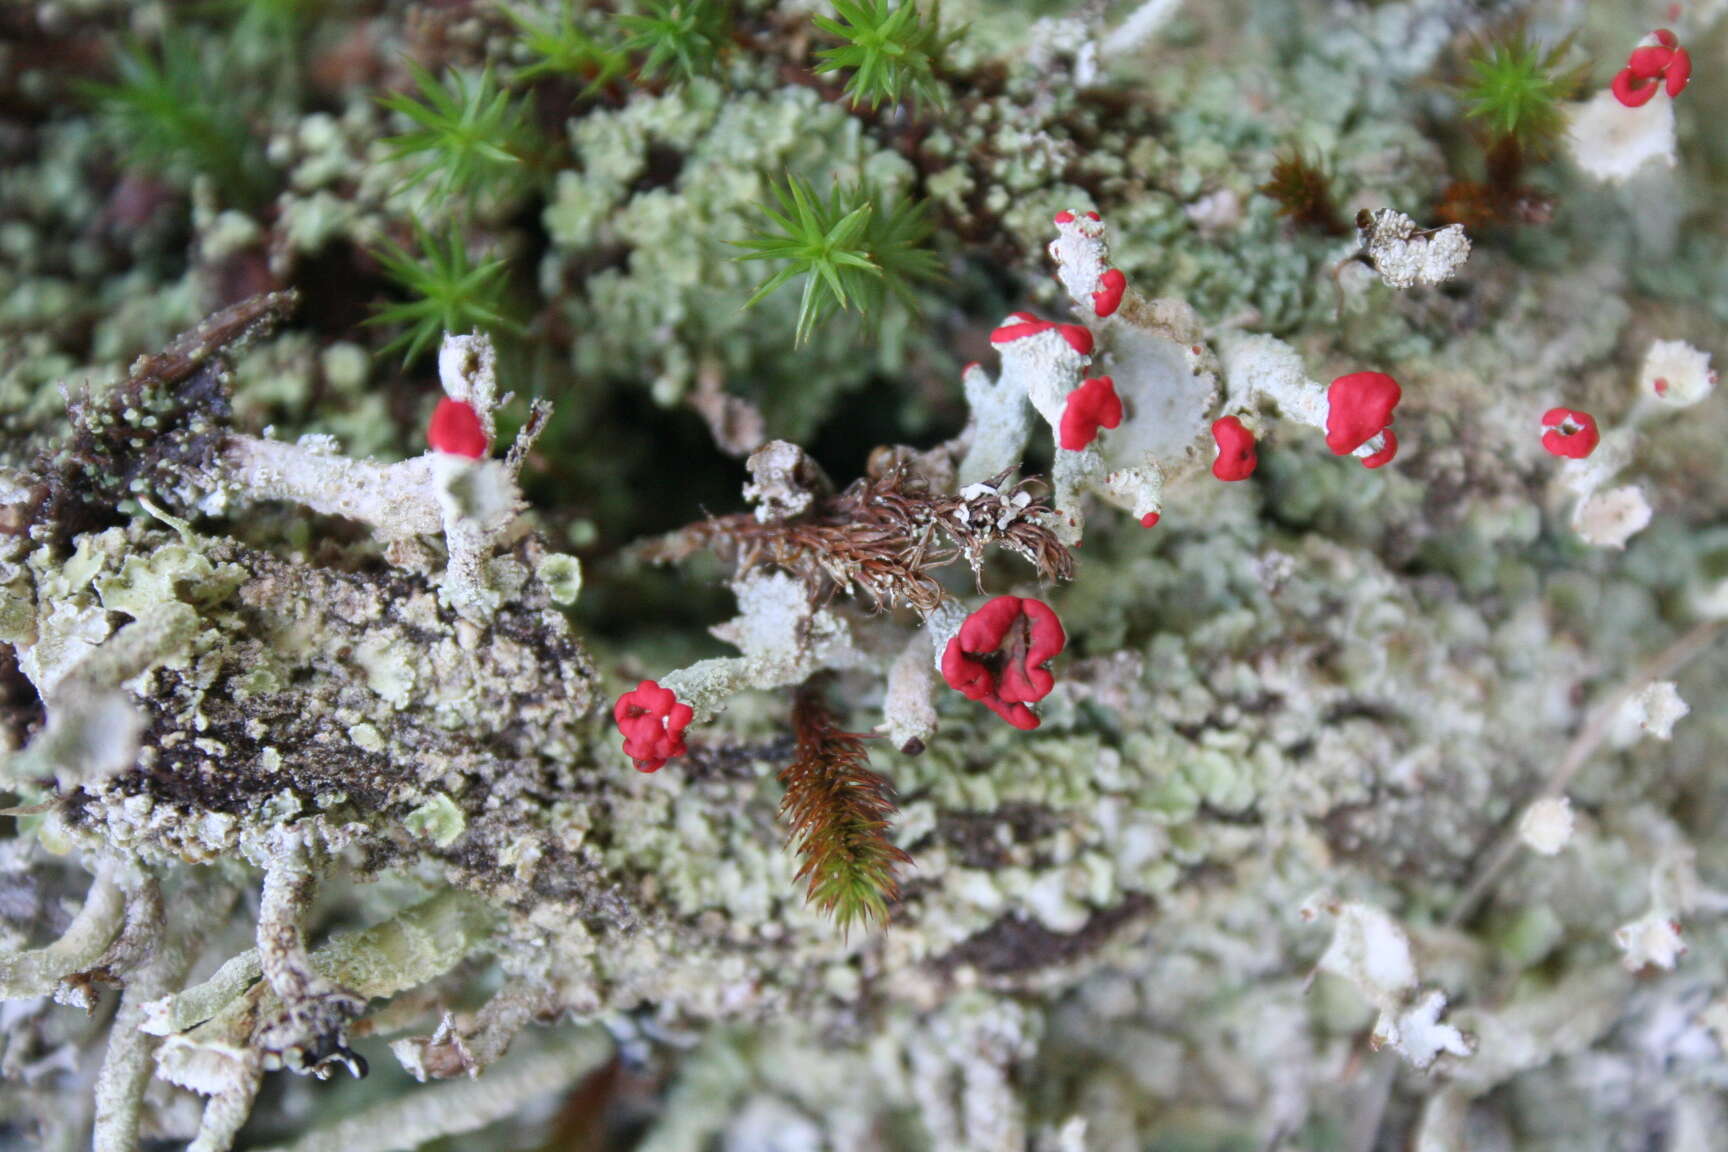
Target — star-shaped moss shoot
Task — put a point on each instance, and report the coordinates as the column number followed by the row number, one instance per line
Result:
column 467, row 133
column 165, row 114
column 851, row 249
column 681, row 38
column 559, row 46
column 1518, row 88
column 447, row 292
column 891, row 52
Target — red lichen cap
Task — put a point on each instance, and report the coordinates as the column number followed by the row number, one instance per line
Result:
column 455, row 428
column 1663, row 63
column 653, row 722
column 1570, row 433
column 1388, row 450
column 1000, row 654
column 1108, row 298
column 1026, row 324
column 1236, row 456
column 1359, row 407
column 1091, row 406
column 1678, row 74
column 1150, row 520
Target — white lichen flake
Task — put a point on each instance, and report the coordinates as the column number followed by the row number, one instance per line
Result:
column 1546, row 826
column 1656, row 708
column 1417, row 1034
column 1652, row 941
column 1405, row 255
column 1676, row 373
column 1372, row 951
column 1608, row 519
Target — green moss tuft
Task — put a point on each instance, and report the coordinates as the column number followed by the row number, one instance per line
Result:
column 561, row 47
column 1517, row 89
column 680, row 38
column 448, row 293
column 850, row 253
column 168, row 114
column 891, row 53
column 467, row 134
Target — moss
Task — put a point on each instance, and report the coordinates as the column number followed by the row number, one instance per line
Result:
column 669, row 273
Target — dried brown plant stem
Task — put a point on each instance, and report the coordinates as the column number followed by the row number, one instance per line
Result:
column 883, row 537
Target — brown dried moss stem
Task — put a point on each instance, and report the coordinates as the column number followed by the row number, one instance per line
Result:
column 837, row 814
column 883, row 537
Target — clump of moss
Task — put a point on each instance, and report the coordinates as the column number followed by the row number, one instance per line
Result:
column 561, row 46
column 1514, row 91
column 680, row 38
column 169, row 114
column 889, row 52
column 838, row 816
column 467, row 134
column 1302, row 188
column 448, row 292
column 1515, row 88
column 850, row 252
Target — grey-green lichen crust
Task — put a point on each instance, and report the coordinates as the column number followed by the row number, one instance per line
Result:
column 296, row 691
column 1240, row 741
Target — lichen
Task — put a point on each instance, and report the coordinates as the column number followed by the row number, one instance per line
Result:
column 306, row 722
